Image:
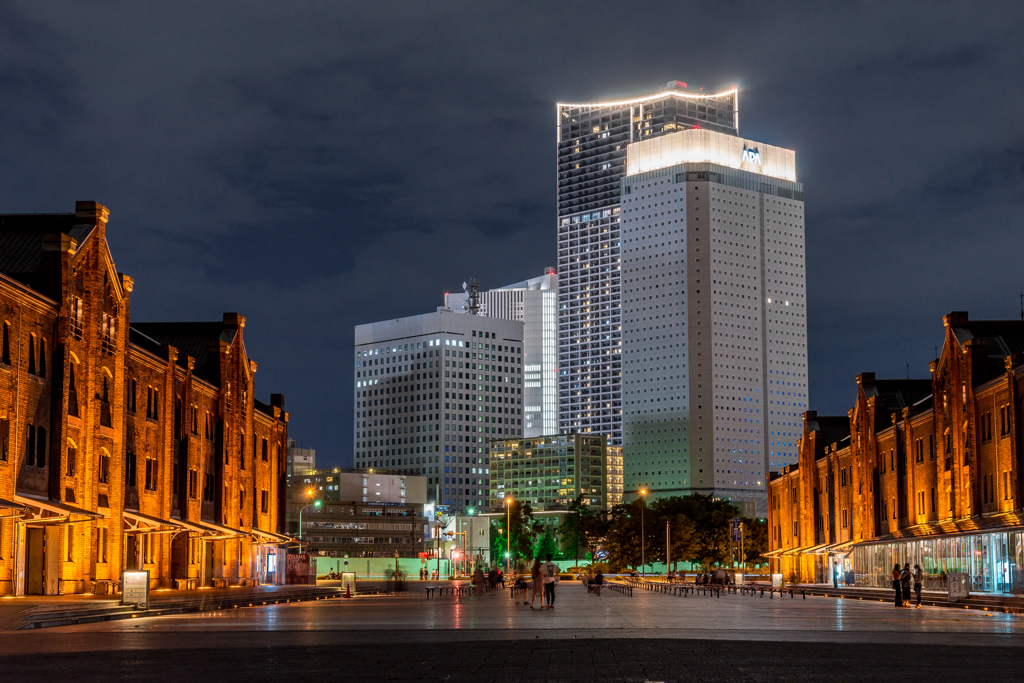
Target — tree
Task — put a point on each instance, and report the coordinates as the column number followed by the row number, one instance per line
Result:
column 499, row 542
column 546, row 547
column 755, row 539
column 523, row 528
column 576, row 527
column 623, row 540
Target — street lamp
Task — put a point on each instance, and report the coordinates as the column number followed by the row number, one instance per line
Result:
column 643, row 562
column 314, row 504
column 508, row 530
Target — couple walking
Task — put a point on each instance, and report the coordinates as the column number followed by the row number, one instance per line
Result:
column 901, row 584
column 545, row 576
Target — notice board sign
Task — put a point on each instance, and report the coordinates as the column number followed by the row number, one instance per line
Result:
column 135, row 588
column 298, row 569
column 959, row 586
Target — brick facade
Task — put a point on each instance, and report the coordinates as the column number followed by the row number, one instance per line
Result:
column 913, row 459
column 125, row 445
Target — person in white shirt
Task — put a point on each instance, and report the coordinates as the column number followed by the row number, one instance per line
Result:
column 549, row 570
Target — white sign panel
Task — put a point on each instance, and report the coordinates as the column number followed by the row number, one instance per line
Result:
column 135, row 589
column 959, row 586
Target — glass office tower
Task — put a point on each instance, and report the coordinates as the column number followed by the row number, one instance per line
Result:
column 592, row 140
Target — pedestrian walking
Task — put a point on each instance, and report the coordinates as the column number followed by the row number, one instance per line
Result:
column 550, row 579
column 896, row 573
column 918, row 583
column 905, row 577
column 537, row 588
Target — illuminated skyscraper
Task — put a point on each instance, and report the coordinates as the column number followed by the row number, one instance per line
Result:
column 592, row 141
column 714, row 315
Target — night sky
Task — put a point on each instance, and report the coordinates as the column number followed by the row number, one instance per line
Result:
column 314, row 166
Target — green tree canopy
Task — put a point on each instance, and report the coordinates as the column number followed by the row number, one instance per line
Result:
column 524, row 528
column 577, row 528
column 699, row 525
column 755, row 539
column 547, row 546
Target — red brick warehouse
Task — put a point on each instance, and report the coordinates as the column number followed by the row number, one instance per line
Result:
column 124, row 445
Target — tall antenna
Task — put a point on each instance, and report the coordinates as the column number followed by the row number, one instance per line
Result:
column 472, row 290
column 908, row 370
column 1022, row 305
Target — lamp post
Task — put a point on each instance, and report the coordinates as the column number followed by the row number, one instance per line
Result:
column 643, row 504
column 314, row 504
column 508, row 532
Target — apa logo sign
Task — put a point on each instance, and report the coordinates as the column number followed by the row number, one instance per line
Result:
column 751, row 156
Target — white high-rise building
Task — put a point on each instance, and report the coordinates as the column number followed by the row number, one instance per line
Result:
column 534, row 303
column 714, row 313
column 431, row 392
column 592, row 142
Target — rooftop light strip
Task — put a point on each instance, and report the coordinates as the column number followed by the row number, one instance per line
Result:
column 665, row 93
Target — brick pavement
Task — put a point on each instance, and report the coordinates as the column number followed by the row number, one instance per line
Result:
column 568, row 661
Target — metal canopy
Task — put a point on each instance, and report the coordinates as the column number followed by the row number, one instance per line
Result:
column 138, row 519
column 55, row 507
column 210, row 530
column 269, row 536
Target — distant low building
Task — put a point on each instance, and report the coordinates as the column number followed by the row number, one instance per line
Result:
column 364, row 486
column 300, row 460
column 360, row 514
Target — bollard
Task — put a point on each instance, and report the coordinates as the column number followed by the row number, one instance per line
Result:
column 719, row 593
column 805, row 594
column 790, row 593
column 771, row 594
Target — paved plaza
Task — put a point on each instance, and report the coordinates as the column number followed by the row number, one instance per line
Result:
column 647, row 637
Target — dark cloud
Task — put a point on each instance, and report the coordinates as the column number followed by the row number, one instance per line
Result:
column 319, row 165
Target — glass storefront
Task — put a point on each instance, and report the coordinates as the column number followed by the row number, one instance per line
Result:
column 994, row 561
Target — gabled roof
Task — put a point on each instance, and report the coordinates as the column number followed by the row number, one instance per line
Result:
column 830, row 428
column 191, row 339
column 899, row 393
column 1004, row 337
column 21, row 240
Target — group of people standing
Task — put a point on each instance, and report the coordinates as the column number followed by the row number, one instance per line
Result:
column 901, row 580
column 544, row 577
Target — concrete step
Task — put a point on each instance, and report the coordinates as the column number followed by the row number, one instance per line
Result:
column 174, row 605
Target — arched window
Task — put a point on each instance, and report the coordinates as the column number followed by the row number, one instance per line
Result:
column 103, row 471
column 5, row 353
column 32, row 354
column 105, row 399
column 72, row 390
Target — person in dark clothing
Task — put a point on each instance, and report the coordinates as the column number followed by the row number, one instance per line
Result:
column 905, row 584
column 896, row 573
column 918, row 583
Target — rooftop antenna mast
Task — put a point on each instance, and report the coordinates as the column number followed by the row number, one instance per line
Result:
column 1022, row 305
column 472, row 291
